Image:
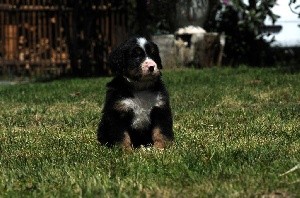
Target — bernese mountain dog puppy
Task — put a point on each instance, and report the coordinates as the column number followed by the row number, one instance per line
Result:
column 137, row 109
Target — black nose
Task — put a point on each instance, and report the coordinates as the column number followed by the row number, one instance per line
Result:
column 151, row 68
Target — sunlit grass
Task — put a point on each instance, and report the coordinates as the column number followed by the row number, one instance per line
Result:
column 237, row 131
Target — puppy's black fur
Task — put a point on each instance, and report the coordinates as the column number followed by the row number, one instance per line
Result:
column 137, row 110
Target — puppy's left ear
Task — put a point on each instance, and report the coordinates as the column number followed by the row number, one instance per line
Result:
column 157, row 56
column 116, row 60
column 159, row 65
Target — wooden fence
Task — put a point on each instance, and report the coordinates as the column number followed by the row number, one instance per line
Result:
column 54, row 37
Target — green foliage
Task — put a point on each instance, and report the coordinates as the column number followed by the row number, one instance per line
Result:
column 254, row 15
column 243, row 24
column 147, row 18
column 295, row 7
column 237, row 132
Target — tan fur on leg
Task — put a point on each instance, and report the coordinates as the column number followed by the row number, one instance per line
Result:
column 159, row 140
column 126, row 143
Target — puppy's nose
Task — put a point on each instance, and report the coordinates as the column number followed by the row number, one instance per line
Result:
column 151, row 68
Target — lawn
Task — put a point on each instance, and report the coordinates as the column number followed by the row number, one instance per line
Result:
column 237, row 135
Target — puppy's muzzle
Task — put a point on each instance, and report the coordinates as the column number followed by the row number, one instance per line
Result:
column 149, row 66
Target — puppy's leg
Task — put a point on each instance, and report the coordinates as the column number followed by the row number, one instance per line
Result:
column 112, row 131
column 162, row 133
column 126, row 142
column 159, row 140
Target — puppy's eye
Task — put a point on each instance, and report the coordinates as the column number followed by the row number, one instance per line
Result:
column 152, row 50
column 137, row 53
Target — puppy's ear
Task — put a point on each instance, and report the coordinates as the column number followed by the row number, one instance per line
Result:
column 116, row 61
column 159, row 65
column 156, row 55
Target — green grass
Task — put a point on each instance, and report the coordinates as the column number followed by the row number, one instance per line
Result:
column 237, row 131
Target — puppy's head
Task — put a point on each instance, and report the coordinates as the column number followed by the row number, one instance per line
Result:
column 136, row 59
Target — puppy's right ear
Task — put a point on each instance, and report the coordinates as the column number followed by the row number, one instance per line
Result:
column 116, row 61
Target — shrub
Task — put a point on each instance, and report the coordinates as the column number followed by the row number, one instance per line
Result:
column 243, row 24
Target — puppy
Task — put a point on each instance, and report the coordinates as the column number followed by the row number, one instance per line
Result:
column 137, row 109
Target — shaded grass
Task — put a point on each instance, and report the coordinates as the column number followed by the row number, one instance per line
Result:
column 237, row 131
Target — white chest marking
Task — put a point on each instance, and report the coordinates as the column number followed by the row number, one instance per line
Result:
column 142, row 104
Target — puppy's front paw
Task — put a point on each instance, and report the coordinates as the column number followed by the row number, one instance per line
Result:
column 159, row 140
column 126, row 143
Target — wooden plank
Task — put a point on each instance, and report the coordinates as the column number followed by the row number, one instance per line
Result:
column 2, row 15
column 10, row 41
column 39, row 35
